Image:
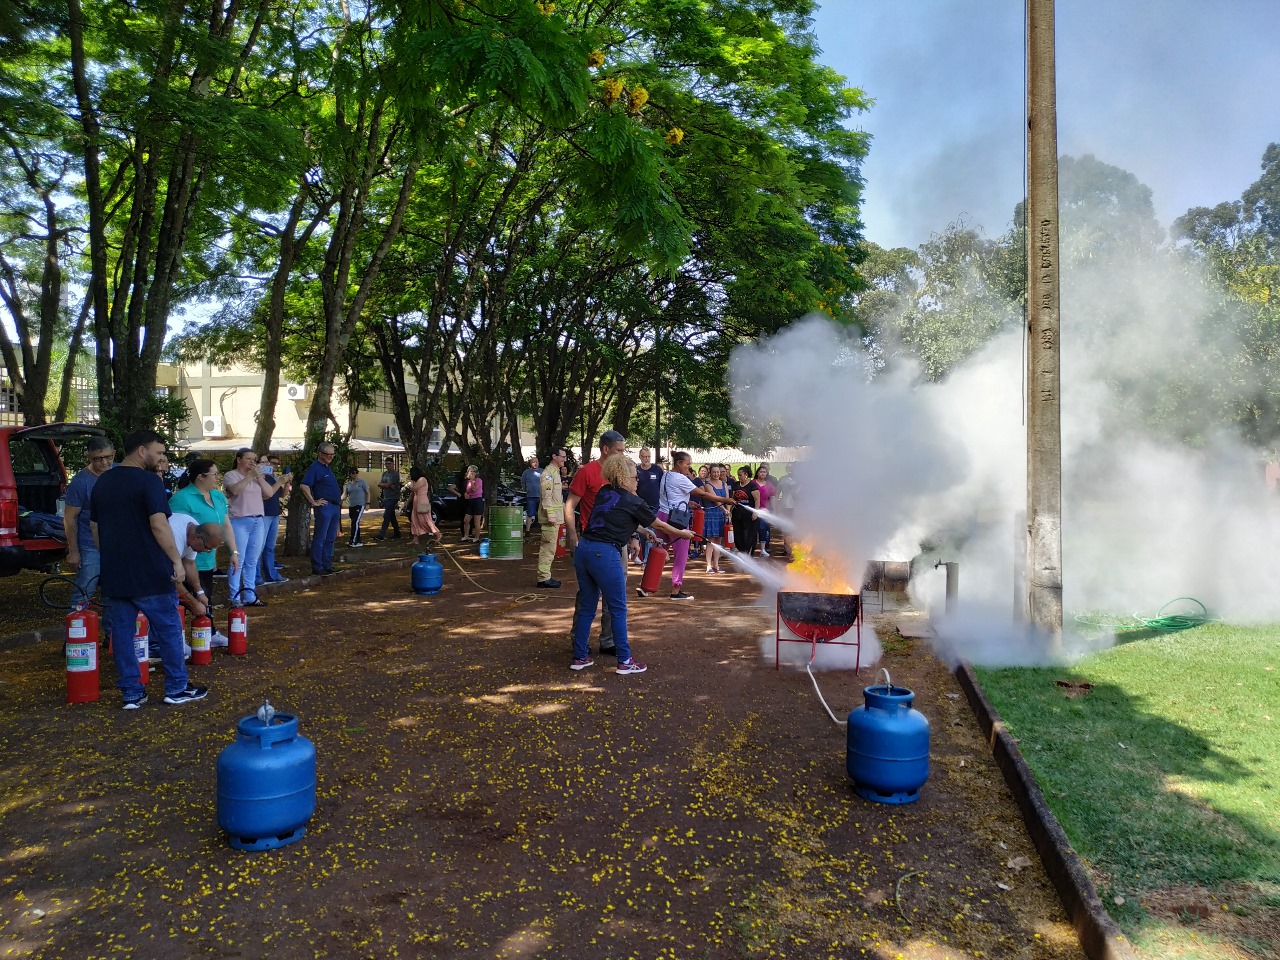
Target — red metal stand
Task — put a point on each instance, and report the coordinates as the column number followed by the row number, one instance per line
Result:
column 818, row 618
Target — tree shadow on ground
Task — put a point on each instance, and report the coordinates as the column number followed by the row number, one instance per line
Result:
column 1148, row 803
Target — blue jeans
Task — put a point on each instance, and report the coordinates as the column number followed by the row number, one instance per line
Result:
column 600, row 572
column 166, row 635
column 243, row 581
column 270, row 530
column 87, row 575
column 763, row 529
column 323, row 535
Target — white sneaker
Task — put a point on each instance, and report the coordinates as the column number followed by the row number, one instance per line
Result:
column 219, row 639
column 186, row 650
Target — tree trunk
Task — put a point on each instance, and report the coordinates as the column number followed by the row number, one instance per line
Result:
column 290, row 248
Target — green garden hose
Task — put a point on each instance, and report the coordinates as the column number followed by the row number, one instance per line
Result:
column 1161, row 623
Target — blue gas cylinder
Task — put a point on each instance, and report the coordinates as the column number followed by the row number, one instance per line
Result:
column 427, row 576
column 266, row 782
column 888, row 752
column 484, row 547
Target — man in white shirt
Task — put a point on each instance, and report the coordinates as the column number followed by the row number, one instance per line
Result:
column 677, row 486
column 191, row 538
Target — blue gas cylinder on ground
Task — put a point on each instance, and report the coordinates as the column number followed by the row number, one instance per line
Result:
column 266, row 782
column 484, row 547
column 427, row 576
column 888, row 752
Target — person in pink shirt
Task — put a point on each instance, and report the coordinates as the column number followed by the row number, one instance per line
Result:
column 472, row 503
column 767, row 492
column 247, row 487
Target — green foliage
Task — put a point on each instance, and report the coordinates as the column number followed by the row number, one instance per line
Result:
column 167, row 414
column 602, row 197
column 940, row 304
column 1238, row 244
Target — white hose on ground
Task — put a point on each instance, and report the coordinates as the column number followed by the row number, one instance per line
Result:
column 808, row 667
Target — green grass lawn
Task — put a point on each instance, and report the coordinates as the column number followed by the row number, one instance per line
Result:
column 1165, row 774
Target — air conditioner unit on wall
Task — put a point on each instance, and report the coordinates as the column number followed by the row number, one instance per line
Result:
column 215, row 428
column 295, row 391
column 391, row 431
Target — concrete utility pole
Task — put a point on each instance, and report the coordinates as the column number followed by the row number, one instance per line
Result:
column 1044, row 425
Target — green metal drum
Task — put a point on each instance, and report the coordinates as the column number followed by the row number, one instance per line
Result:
column 506, row 533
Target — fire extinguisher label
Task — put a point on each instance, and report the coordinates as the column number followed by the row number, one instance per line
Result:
column 200, row 638
column 82, row 657
column 238, row 625
column 77, row 632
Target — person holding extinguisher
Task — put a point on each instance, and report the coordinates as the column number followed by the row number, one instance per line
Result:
column 615, row 517
column 550, row 517
column 678, row 485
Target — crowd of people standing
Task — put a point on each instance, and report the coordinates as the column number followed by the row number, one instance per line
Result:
column 609, row 512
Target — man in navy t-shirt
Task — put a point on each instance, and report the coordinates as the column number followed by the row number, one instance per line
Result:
column 141, row 565
column 321, row 489
column 648, row 482
column 648, row 479
column 82, row 555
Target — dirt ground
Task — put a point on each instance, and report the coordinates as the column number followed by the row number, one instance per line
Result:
column 479, row 799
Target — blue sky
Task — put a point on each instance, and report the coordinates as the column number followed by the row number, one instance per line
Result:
column 1185, row 94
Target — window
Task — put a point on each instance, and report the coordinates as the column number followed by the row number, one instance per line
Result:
column 29, row 456
column 380, row 402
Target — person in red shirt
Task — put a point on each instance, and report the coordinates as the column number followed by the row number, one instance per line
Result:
column 587, row 482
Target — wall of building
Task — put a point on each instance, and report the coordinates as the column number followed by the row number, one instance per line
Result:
column 233, row 395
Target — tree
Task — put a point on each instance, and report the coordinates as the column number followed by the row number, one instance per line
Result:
column 168, row 129
column 1238, row 243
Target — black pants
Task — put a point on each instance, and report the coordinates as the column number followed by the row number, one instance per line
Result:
column 745, row 530
column 389, row 517
column 354, row 514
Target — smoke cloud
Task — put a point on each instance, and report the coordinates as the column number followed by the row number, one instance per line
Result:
column 901, row 469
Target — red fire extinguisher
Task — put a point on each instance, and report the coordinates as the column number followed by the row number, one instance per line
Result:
column 562, row 543
column 237, row 631
column 699, row 521
column 201, row 640
column 652, row 578
column 142, row 646
column 728, row 533
column 82, row 656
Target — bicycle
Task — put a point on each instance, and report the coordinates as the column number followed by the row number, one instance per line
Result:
column 58, row 590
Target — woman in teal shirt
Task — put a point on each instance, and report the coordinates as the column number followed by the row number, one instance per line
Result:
column 199, row 496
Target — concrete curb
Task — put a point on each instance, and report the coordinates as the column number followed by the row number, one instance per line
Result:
column 1100, row 938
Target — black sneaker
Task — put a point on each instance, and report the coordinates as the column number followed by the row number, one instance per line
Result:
column 682, row 596
column 608, row 651
column 548, row 584
column 134, row 703
column 186, row 696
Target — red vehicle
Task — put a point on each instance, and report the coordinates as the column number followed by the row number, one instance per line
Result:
column 32, row 478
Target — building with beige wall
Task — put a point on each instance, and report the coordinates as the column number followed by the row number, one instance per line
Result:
column 224, row 404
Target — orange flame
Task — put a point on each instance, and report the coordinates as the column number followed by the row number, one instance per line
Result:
column 809, row 565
